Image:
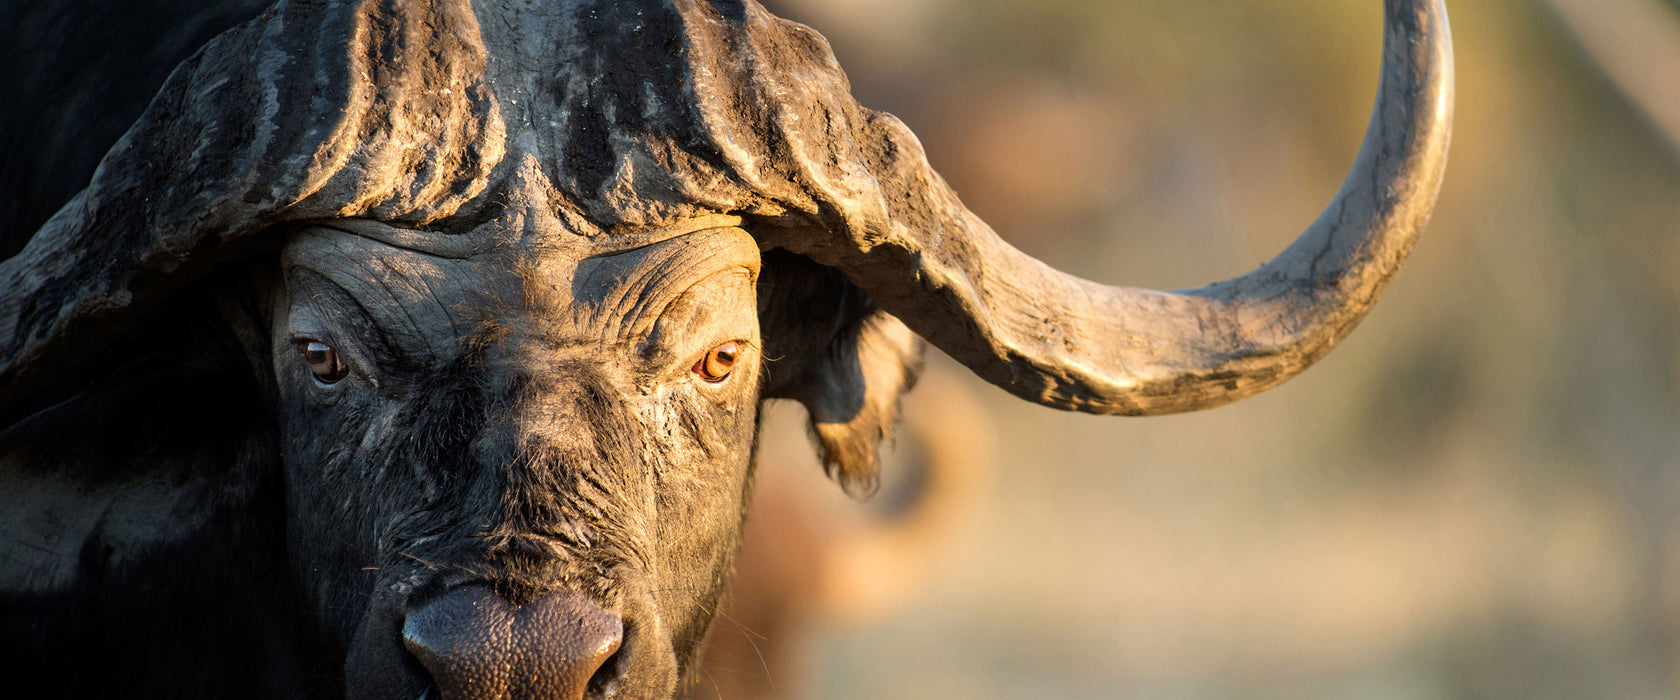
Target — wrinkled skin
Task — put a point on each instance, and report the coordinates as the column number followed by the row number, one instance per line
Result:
column 496, row 428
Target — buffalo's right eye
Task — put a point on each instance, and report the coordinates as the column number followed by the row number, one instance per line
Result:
column 323, row 361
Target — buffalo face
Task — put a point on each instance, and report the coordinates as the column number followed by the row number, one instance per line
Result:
column 516, row 434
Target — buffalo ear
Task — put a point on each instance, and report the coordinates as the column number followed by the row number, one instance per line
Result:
column 830, row 349
column 853, row 398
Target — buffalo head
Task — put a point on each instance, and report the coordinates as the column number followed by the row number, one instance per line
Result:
column 408, row 348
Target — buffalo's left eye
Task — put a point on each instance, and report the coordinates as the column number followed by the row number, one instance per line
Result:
column 718, row 363
column 324, row 362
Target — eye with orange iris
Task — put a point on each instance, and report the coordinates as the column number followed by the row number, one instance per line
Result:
column 718, row 363
column 324, row 362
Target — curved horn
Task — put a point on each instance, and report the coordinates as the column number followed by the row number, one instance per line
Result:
column 1073, row 344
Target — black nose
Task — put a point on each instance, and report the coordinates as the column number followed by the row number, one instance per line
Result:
column 477, row 645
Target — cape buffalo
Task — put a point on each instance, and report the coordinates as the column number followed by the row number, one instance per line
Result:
column 403, row 349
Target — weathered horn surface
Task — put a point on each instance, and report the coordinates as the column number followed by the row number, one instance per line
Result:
column 1073, row 344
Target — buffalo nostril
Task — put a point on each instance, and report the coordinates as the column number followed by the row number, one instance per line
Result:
column 477, row 645
column 605, row 674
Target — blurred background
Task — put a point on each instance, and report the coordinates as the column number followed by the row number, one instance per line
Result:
column 1475, row 496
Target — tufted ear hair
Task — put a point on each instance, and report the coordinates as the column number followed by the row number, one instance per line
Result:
column 828, row 347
